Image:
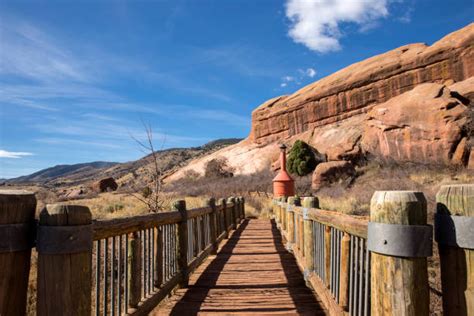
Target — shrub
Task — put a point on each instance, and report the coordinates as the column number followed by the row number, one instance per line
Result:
column 301, row 160
column 218, row 168
column 146, row 192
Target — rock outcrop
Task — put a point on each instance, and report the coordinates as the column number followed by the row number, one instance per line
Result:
column 426, row 124
column 354, row 89
column 104, row 185
column 327, row 172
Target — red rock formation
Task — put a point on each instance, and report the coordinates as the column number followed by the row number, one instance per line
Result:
column 327, row 172
column 104, row 185
column 354, row 89
column 424, row 125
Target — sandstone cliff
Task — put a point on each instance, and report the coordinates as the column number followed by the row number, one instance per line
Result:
column 379, row 106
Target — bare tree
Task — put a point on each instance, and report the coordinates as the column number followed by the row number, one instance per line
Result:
column 153, row 198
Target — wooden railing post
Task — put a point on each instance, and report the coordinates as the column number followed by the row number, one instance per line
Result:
column 308, row 202
column 399, row 240
column 454, row 234
column 242, row 207
column 135, row 274
column 327, row 254
column 344, row 272
column 290, row 214
column 64, row 244
column 230, row 211
column 284, row 217
column 17, row 214
column 180, row 206
column 159, row 262
column 213, row 224
column 224, row 218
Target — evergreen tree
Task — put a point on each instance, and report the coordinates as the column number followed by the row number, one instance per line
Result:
column 301, row 160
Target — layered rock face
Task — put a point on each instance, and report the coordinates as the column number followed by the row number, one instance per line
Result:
column 353, row 90
column 427, row 124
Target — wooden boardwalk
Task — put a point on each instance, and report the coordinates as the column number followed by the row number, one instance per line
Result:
column 252, row 274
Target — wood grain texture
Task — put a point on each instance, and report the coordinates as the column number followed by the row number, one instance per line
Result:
column 399, row 286
column 180, row 206
column 252, row 274
column 354, row 225
column 64, row 280
column 457, row 265
column 15, row 207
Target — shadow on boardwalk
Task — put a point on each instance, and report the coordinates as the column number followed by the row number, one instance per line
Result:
column 253, row 273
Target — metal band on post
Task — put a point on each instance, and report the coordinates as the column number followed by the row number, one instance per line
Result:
column 54, row 240
column 454, row 231
column 410, row 241
column 16, row 237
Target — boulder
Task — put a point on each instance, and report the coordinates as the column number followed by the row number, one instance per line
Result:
column 105, row 185
column 470, row 162
column 74, row 194
column 423, row 125
column 331, row 171
column 465, row 89
column 461, row 153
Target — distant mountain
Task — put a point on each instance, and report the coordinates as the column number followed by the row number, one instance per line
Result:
column 125, row 173
column 61, row 171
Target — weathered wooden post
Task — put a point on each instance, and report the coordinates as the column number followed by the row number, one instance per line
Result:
column 290, row 213
column 159, row 262
column 344, row 272
column 327, row 254
column 224, row 217
column 242, row 199
column 135, row 275
column 213, row 226
column 455, row 237
column 180, row 206
column 17, row 214
column 231, row 212
column 400, row 241
column 64, row 244
column 308, row 203
column 284, row 217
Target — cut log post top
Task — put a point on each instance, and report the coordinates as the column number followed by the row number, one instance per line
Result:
column 311, row 202
column 294, row 200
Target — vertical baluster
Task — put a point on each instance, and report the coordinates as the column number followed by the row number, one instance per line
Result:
column 356, row 274
column 367, row 281
column 351, row 274
column 126, row 276
column 112, row 279
column 106, row 279
column 135, row 273
column 97, row 278
column 336, row 263
column 361, row 275
column 119, row 272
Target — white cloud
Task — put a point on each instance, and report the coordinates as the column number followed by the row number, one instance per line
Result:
column 316, row 24
column 310, row 72
column 283, row 84
column 13, row 154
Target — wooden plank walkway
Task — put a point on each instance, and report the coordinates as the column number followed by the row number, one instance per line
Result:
column 252, row 274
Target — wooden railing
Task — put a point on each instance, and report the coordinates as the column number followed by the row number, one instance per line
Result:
column 332, row 250
column 105, row 267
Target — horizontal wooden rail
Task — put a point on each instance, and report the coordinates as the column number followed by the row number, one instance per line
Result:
column 127, row 225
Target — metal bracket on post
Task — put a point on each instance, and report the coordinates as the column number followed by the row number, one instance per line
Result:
column 55, row 240
column 454, row 231
column 410, row 241
column 16, row 237
column 305, row 213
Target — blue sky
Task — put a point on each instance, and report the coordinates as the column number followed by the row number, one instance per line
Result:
column 77, row 78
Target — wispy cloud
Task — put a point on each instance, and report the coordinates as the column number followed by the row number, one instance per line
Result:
column 299, row 77
column 13, row 154
column 317, row 24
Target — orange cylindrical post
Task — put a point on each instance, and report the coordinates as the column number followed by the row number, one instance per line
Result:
column 283, row 184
